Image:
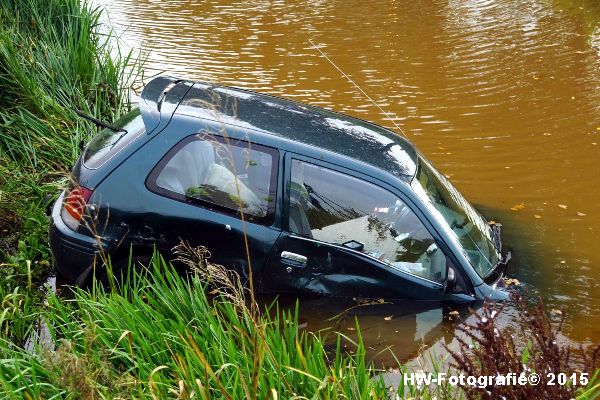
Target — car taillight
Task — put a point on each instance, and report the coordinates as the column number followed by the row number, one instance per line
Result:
column 74, row 206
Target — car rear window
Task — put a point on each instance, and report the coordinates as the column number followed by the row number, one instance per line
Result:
column 107, row 143
column 222, row 174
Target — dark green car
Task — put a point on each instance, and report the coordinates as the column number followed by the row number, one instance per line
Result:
column 331, row 205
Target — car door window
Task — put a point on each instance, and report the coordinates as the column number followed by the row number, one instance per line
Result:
column 332, row 207
column 221, row 172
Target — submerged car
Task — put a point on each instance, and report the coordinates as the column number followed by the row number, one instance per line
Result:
column 329, row 204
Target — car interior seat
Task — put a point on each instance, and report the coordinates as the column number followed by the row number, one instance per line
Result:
column 168, row 179
column 188, row 168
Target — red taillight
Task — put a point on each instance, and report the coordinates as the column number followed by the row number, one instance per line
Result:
column 75, row 201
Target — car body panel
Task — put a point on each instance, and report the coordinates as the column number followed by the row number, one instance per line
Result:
column 163, row 222
column 127, row 213
column 73, row 252
column 336, row 270
column 160, row 99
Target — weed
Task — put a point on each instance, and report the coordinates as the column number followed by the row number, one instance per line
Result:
column 534, row 347
column 53, row 58
column 163, row 336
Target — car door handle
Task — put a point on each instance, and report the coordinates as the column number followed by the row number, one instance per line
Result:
column 293, row 259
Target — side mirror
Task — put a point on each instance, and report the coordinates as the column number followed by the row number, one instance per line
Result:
column 450, row 280
column 354, row 245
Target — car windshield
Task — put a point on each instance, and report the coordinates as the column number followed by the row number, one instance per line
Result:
column 469, row 227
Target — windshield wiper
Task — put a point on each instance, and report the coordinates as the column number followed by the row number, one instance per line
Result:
column 99, row 123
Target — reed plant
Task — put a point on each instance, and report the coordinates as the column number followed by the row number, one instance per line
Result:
column 164, row 335
column 54, row 58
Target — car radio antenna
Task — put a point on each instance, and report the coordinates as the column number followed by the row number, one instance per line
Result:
column 387, row 115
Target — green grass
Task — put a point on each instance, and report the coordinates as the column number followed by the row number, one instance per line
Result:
column 53, row 59
column 161, row 336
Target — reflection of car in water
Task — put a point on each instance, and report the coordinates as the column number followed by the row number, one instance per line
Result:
column 332, row 205
column 392, row 331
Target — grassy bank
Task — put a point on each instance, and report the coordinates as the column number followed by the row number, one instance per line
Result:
column 167, row 339
column 53, row 59
column 161, row 335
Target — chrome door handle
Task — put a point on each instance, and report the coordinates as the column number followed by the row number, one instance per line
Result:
column 296, row 260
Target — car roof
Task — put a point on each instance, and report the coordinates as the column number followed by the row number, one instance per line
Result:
column 251, row 111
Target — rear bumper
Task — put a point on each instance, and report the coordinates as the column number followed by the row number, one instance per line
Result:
column 74, row 253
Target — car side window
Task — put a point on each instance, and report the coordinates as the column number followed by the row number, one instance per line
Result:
column 223, row 172
column 336, row 208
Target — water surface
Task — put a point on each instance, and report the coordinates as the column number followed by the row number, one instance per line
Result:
column 503, row 96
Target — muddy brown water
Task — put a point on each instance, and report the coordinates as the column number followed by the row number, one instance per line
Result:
column 503, row 96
